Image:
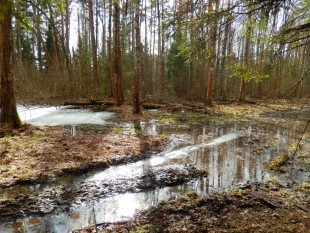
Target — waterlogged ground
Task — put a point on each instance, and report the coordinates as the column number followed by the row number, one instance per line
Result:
column 205, row 153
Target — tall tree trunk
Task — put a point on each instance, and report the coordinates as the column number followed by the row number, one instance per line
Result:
column 67, row 26
column 161, row 51
column 8, row 111
column 242, row 90
column 151, row 46
column 138, row 61
column 55, row 36
column 93, row 44
column 145, row 79
column 66, row 39
column 117, row 56
column 111, row 91
column 227, row 30
column 190, row 65
column 246, row 58
column 104, row 32
column 212, row 53
column 39, row 38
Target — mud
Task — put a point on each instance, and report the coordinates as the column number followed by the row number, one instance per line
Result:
column 60, row 198
column 254, row 208
column 47, row 156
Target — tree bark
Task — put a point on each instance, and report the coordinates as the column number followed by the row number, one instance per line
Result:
column 246, row 58
column 212, row 53
column 190, row 65
column 55, row 36
column 138, row 61
column 111, row 91
column 225, row 49
column 117, row 56
column 161, row 50
column 93, row 44
column 8, row 111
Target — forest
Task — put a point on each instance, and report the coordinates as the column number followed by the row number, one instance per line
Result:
column 162, row 50
column 204, row 102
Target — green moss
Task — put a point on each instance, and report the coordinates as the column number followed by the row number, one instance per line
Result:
column 58, row 154
column 276, row 165
column 9, row 171
column 303, row 155
column 305, row 187
column 37, row 134
column 144, row 229
column 192, row 194
column 272, row 181
column 305, row 165
column 167, row 119
column 4, row 146
column 139, row 133
column 240, row 192
column 183, row 199
column 117, row 129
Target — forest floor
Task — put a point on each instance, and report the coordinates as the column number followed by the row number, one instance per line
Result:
column 268, row 207
column 262, row 207
column 36, row 154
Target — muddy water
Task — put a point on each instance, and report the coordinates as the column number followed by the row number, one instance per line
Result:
column 201, row 157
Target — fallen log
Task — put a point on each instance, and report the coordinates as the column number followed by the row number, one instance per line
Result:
column 84, row 102
column 269, row 201
column 152, row 106
column 174, row 107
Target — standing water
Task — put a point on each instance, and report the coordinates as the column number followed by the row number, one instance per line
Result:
column 208, row 157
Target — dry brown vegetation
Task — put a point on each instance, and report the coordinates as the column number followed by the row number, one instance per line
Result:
column 37, row 154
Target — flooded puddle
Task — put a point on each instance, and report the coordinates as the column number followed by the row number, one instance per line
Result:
column 54, row 116
column 204, row 158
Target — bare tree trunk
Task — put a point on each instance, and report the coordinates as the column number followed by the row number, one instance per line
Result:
column 117, row 56
column 55, row 36
column 104, row 32
column 161, row 50
column 190, row 66
column 246, row 58
column 38, row 38
column 225, row 51
column 8, row 111
column 151, row 46
column 138, row 61
column 162, row 70
column 93, row 44
column 145, row 79
column 242, row 90
column 111, row 92
column 65, row 34
column 67, row 26
column 212, row 55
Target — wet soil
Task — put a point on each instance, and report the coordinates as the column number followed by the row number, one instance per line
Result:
column 61, row 198
column 268, row 207
column 261, row 207
column 285, row 113
column 40, row 153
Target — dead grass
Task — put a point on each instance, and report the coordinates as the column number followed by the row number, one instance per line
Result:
column 40, row 153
